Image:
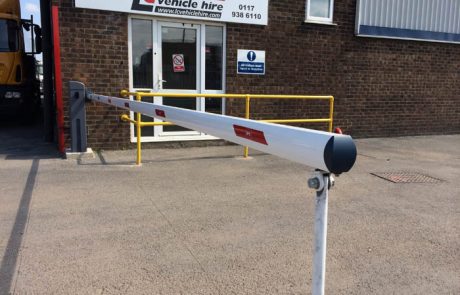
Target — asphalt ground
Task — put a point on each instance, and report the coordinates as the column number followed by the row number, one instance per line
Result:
column 206, row 221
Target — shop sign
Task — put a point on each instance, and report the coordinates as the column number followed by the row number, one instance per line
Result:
column 178, row 63
column 251, row 62
column 234, row 11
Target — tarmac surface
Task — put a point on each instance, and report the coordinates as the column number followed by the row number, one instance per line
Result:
column 205, row 221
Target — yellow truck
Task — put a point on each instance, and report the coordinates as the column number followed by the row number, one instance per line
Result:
column 19, row 86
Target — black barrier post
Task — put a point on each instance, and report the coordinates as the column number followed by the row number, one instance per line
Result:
column 78, row 117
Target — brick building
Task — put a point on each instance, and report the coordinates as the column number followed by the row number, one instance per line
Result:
column 392, row 66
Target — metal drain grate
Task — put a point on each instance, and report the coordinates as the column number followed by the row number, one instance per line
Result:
column 406, row 177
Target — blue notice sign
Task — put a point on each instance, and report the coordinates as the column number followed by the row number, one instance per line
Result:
column 251, row 62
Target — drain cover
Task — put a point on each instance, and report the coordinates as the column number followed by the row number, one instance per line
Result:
column 406, row 177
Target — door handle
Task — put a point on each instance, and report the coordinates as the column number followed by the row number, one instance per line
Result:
column 160, row 83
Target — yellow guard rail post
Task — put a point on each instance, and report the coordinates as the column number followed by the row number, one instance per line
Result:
column 139, row 135
column 248, row 111
column 139, row 124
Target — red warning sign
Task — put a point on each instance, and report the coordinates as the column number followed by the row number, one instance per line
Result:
column 178, row 63
column 251, row 134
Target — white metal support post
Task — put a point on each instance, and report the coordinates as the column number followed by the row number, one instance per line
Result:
column 321, row 181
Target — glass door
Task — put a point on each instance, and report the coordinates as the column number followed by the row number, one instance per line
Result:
column 179, row 58
column 178, row 69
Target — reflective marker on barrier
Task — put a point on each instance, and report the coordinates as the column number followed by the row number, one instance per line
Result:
column 329, row 152
column 160, row 113
column 251, row 134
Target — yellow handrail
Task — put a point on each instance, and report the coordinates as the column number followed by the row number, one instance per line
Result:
column 139, row 124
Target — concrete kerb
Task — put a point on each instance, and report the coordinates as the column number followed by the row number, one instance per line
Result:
column 89, row 154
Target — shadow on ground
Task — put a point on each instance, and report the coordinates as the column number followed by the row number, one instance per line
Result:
column 20, row 141
column 10, row 259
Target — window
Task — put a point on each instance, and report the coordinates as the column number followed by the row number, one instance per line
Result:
column 142, row 54
column 214, row 66
column 214, row 57
column 8, row 36
column 320, row 11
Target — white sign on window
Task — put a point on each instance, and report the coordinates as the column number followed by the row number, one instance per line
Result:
column 235, row 11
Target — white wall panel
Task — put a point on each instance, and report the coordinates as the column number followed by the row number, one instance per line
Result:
column 430, row 18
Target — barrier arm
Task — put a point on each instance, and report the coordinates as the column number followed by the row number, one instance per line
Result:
column 328, row 153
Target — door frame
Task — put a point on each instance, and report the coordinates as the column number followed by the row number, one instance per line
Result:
column 202, row 73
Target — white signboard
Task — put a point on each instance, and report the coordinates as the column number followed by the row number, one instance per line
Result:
column 235, row 11
column 251, row 62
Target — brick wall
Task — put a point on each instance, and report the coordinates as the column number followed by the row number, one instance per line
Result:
column 94, row 50
column 382, row 87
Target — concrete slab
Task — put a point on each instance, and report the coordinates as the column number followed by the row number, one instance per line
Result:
column 89, row 154
column 201, row 221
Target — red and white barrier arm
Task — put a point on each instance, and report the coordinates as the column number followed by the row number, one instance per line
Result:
column 334, row 153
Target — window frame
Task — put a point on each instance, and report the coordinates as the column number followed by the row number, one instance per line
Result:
column 317, row 19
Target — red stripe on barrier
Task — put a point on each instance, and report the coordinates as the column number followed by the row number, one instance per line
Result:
column 160, row 113
column 251, row 134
